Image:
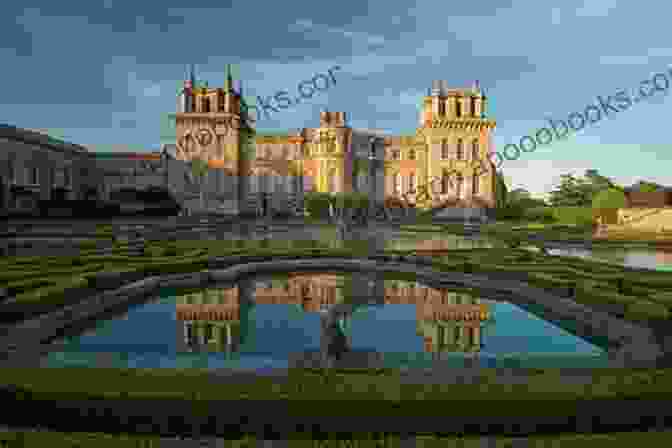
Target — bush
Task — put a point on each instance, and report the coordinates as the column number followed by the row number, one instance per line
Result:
column 317, row 204
column 580, row 216
column 539, row 214
column 510, row 212
column 645, row 310
column 664, row 298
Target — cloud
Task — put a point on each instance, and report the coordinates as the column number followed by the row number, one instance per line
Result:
column 152, row 91
column 303, row 25
column 596, row 8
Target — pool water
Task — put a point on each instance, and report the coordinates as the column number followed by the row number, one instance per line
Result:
column 278, row 321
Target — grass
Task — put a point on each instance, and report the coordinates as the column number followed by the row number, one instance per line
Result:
column 364, row 386
column 374, row 440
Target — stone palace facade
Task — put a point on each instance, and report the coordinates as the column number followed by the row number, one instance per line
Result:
column 444, row 164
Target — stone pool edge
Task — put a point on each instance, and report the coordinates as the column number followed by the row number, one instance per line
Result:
column 632, row 341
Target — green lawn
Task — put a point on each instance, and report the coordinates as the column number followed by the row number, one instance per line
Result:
column 99, row 440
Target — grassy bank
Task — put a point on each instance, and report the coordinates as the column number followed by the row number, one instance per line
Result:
column 373, row 440
column 380, row 387
column 77, row 395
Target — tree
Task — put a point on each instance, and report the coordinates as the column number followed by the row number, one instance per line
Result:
column 518, row 194
column 647, row 187
column 572, row 192
column 500, row 191
column 610, row 198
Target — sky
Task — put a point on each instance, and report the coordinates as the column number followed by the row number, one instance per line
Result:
column 105, row 73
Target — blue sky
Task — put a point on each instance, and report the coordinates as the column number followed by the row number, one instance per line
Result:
column 105, row 73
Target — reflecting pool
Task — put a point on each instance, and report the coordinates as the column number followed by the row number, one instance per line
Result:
column 301, row 319
column 659, row 259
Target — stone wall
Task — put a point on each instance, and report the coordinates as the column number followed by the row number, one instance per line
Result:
column 32, row 166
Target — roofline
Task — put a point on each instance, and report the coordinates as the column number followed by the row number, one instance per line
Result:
column 36, row 138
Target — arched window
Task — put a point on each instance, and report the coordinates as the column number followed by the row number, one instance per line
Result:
column 475, row 185
column 411, row 154
column 206, row 104
column 460, row 149
column 474, row 150
column 220, row 101
column 458, row 108
column 445, row 179
column 460, row 185
column 411, row 182
column 442, row 107
column 397, row 183
column 444, row 149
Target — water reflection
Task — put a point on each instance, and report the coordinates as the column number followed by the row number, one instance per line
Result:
column 653, row 258
column 447, row 321
column 300, row 319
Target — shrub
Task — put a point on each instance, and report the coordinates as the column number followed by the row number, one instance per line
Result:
column 318, row 203
column 539, row 214
column 510, row 212
column 664, row 298
column 645, row 310
column 580, row 216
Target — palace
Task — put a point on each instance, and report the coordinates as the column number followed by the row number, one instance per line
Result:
column 444, row 164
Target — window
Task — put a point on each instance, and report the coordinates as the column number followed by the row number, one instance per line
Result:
column 460, row 149
column 206, row 104
column 473, row 107
column 474, row 150
column 411, row 154
column 397, row 183
column 444, row 182
column 444, row 149
column 33, row 175
column 458, row 108
column 475, row 184
column 460, row 182
column 66, row 177
column 442, row 107
column 11, row 171
column 396, row 154
column 411, row 182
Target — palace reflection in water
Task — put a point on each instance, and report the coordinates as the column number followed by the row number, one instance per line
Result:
column 218, row 319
